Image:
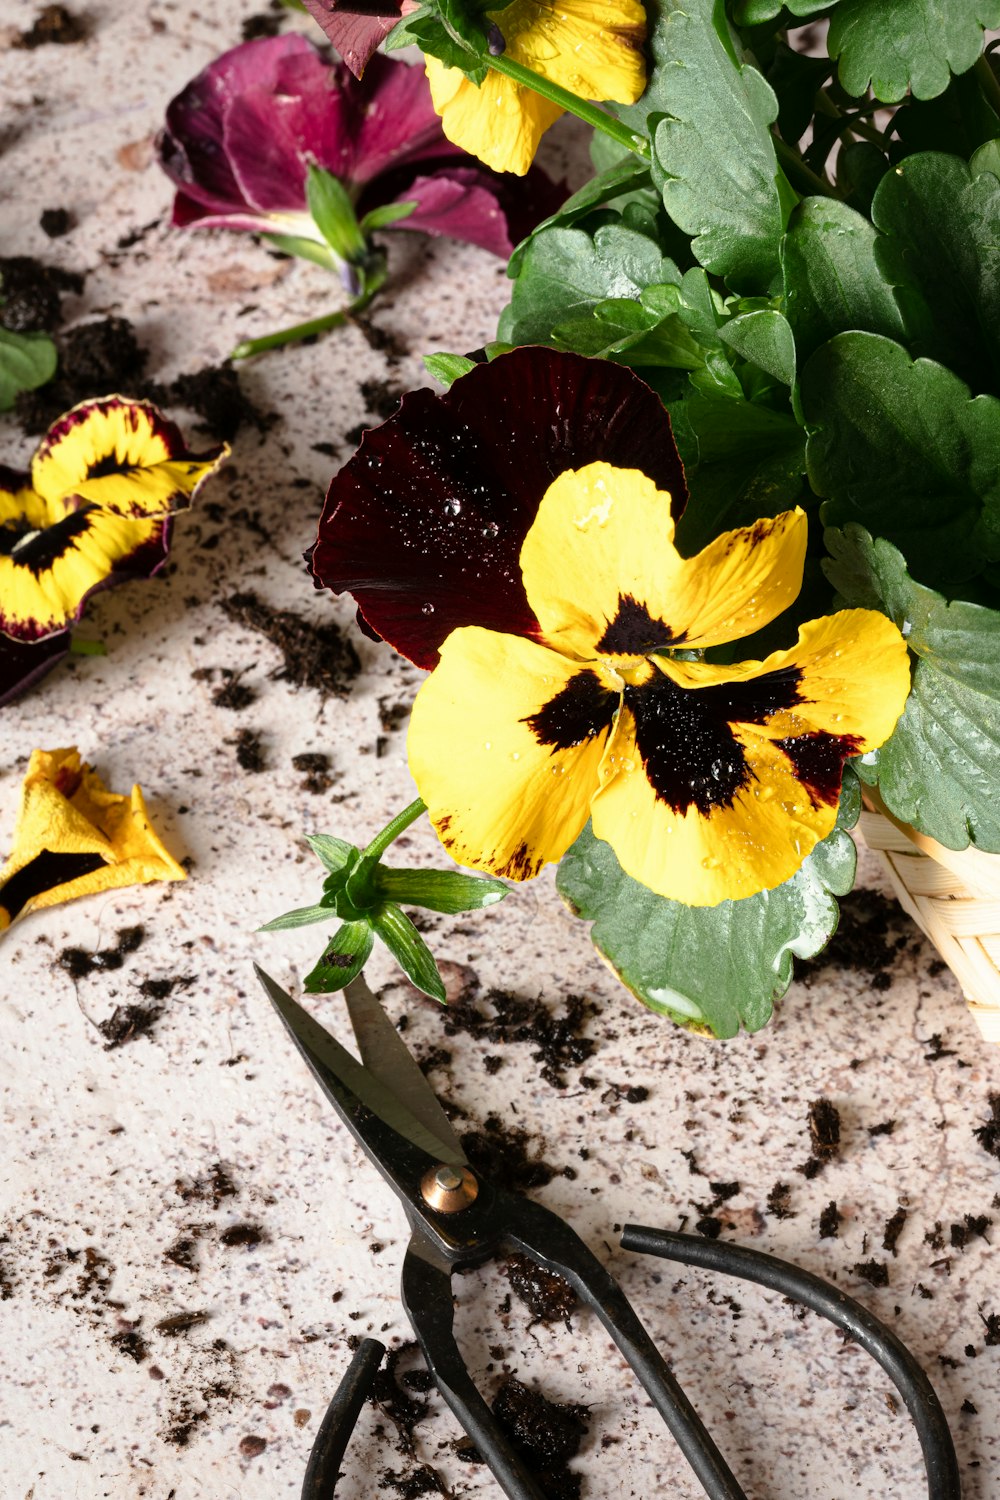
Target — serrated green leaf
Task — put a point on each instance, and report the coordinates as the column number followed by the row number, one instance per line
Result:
column 909, row 45
column 939, row 770
column 409, row 950
column 765, row 339
column 333, row 853
column 302, row 916
column 714, row 156
column 898, row 445
column 941, row 228
column 333, row 213
column 713, row 968
column 439, row 890
column 27, row 360
column 564, row 272
column 986, row 159
column 832, row 281
column 343, row 959
column 447, row 368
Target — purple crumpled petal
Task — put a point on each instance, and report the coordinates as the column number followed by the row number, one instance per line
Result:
column 190, row 146
column 356, row 37
column 473, row 204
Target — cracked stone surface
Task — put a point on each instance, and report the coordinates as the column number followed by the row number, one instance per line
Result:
column 188, row 1239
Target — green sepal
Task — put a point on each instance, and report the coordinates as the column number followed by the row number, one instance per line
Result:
column 27, row 360
column 712, row 969
column 304, row 248
column 333, row 853
column 447, row 368
column 343, row 959
column 388, row 213
column 333, row 214
column 302, row 916
column 937, row 771
column 439, row 890
column 409, row 950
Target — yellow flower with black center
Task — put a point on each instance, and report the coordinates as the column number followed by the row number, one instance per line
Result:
column 710, row 782
column 104, row 484
column 593, row 48
column 73, row 838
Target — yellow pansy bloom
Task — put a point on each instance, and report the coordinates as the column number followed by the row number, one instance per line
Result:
column 711, row 783
column 73, row 837
column 591, row 47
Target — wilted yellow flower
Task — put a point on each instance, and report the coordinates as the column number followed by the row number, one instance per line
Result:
column 73, row 838
column 591, row 47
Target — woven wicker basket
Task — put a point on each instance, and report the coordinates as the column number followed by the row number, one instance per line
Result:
column 954, row 896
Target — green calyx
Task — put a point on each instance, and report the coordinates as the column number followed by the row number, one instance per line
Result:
column 367, row 898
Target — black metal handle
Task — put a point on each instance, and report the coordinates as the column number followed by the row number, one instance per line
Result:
column 323, row 1469
column 940, row 1461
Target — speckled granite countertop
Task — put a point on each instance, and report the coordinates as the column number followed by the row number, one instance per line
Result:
column 195, row 1170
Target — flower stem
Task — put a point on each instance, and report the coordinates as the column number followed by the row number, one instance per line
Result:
column 299, row 331
column 627, row 138
column 801, row 176
column 391, row 831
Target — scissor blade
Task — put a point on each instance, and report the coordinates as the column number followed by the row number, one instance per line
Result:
column 387, row 1058
column 347, row 1083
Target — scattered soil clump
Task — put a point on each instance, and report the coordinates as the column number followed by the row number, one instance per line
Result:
column 78, row 963
column 869, row 938
column 516, row 1018
column 101, row 358
column 547, row 1434
column 53, row 26
column 829, row 1222
column 547, row 1296
column 988, row 1135
column 504, row 1154
column 214, row 394
column 127, row 1023
column 249, row 750
column 316, row 656
column 30, row 294
column 55, row 222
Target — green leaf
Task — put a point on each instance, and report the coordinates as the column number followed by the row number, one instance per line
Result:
column 564, row 272
column 765, row 339
column 432, row 36
column 939, row 770
column 27, row 360
column 302, row 916
column 386, row 214
column 909, row 45
column 711, row 968
column 958, row 121
column 832, row 281
column 320, row 254
column 447, row 368
column 439, row 890
column 343, row 959
column 942, row 228
column 860, row 168
column 624, row 176
column 750, row 464
column 333, row 853
column 409, row 950
column 986, row 159
column 795, row 80
column 715, row 157
column 897, row 445
column 333, row 213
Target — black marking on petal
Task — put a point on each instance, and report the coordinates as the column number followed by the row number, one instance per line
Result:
column 818, row 762
column 44, row 873
column 101, row 468
column 635, row 632
column 685, row 736
column 39, row 551
column 581, row 710
column 521, row 865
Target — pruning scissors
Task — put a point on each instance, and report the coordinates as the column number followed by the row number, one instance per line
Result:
column 458, row 1219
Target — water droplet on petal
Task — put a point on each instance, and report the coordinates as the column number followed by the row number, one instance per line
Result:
column 426, row 609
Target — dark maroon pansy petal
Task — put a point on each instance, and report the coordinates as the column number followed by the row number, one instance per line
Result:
column 424, row 525
column 22, row 664
column 356, row 37
column 191, row 146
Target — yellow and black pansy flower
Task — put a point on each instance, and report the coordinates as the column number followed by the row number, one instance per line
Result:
column 73, row 838
column 96, row 510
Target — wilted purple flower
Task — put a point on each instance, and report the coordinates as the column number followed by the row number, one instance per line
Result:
column 240, row 138
column 357, row 27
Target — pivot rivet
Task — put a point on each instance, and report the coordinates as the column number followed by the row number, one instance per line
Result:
column 447, row 1189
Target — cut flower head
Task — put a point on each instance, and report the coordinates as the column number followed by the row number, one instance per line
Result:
column 73, row 838
column 593, row 48
column 531, row 562
column 239, row 141
column 95, row 510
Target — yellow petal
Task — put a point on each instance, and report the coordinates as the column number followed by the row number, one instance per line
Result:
column 719, row 783
column 504, row 745
column 594, row 48
column 48, row 573
column 603, row 575
column 73, row 837
column 500, row 122
column 122, row 455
